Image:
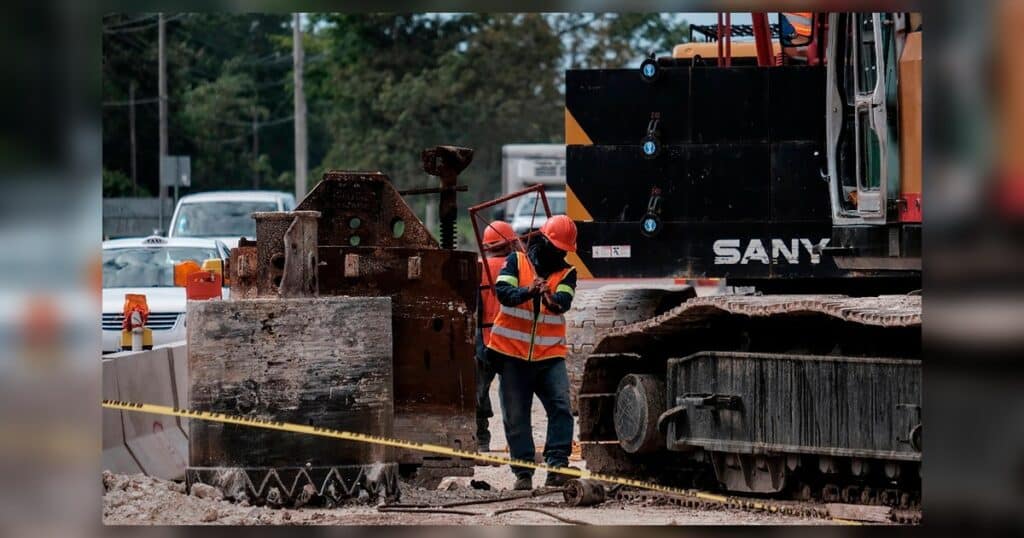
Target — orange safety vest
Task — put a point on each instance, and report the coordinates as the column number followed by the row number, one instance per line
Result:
column 518, row 332
column 801, row 21
column 488, row 298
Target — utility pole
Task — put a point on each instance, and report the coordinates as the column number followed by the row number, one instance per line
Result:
column 255, row 150
column 301, row 154
column 162, row 98
column 131, row 130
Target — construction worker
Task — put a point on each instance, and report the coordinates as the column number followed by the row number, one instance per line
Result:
column 499, row 240
column 527, row 346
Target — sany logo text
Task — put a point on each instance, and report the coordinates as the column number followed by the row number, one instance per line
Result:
column 731, row 251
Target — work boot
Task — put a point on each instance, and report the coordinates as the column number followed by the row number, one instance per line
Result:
column 555, row 480
column 523, row 483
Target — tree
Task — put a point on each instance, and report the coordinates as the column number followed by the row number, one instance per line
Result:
column 609, row 40
column 116, row 184
column 380, row 88
column 407, row 82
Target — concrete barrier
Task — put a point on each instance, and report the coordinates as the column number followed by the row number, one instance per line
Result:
column 179, row 371
column 158, row 443
column 116, row 456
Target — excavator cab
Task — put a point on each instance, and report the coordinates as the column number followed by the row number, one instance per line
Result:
column 874, row 195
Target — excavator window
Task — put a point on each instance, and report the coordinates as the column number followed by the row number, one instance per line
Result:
column 870, row 153
column 867, row 64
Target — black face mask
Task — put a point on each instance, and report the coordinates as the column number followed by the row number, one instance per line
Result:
column 547, row 254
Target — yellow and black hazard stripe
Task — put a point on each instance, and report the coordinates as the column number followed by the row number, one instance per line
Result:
column 574, row 208
column 439, row 450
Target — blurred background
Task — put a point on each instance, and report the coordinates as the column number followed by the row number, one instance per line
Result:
column 379, row 88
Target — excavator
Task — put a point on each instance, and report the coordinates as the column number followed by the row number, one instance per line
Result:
column 792, row 170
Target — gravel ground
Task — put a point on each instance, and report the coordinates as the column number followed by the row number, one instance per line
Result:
column 141, row 500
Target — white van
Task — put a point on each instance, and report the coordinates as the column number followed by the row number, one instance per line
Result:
column 529, row 214
column 225, row 215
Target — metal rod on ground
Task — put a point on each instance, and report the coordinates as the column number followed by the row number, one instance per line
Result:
column 503, row 498
column 495, row 513
column 539, row 511
column 458, row 503
column 428, row 511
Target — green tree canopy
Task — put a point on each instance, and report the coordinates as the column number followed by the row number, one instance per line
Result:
column 379, row 87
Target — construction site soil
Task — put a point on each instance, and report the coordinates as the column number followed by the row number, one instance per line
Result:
column 143, row 500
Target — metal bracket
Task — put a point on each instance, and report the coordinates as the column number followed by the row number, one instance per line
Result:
column 652, row 125
column 714, row 402
column 913, row 425
column 668, row 415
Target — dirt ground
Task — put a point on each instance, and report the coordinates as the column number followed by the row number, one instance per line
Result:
column 141, row 500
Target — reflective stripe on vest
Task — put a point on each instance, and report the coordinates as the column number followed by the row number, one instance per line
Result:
column 488, row 297
column 519, row 332
column 525, row 337
column 528, row 314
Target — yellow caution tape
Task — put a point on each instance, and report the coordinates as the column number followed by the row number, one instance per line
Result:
column 426, row 447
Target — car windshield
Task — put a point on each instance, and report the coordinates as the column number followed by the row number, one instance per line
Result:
column 526, row 206
column 219, row 219
column 146, row 267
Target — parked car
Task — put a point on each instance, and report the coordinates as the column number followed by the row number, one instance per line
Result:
column 529, row 214
column 146, row 266
column 225, row 215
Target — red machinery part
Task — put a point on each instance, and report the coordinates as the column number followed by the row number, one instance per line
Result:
column 763, row 39
column 910, row 207
column 475, row 210
column 203, row 285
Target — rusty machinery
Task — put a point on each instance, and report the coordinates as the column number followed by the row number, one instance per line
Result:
column 354, row 235
column 480, row 222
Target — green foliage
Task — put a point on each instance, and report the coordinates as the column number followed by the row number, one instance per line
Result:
column 610, row 40
column 379, row 87
column 483, row 81
column 116, row 185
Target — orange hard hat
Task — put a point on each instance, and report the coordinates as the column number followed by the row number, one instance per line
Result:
column 561, row 231
column 497, row 234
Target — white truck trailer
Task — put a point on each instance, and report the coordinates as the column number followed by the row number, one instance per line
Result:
column 523, row 165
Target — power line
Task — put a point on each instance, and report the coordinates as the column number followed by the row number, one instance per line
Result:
column 271, row 59
column 277, row 121
column 128, row 42
column 248, row 123
column 121, row 29
column 127, row 103
column 129, row 22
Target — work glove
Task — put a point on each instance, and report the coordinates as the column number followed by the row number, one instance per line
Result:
column 538, row 287
column 548, row 299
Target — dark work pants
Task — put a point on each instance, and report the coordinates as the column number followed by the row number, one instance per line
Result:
column 484, row 377
column 520, row 380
